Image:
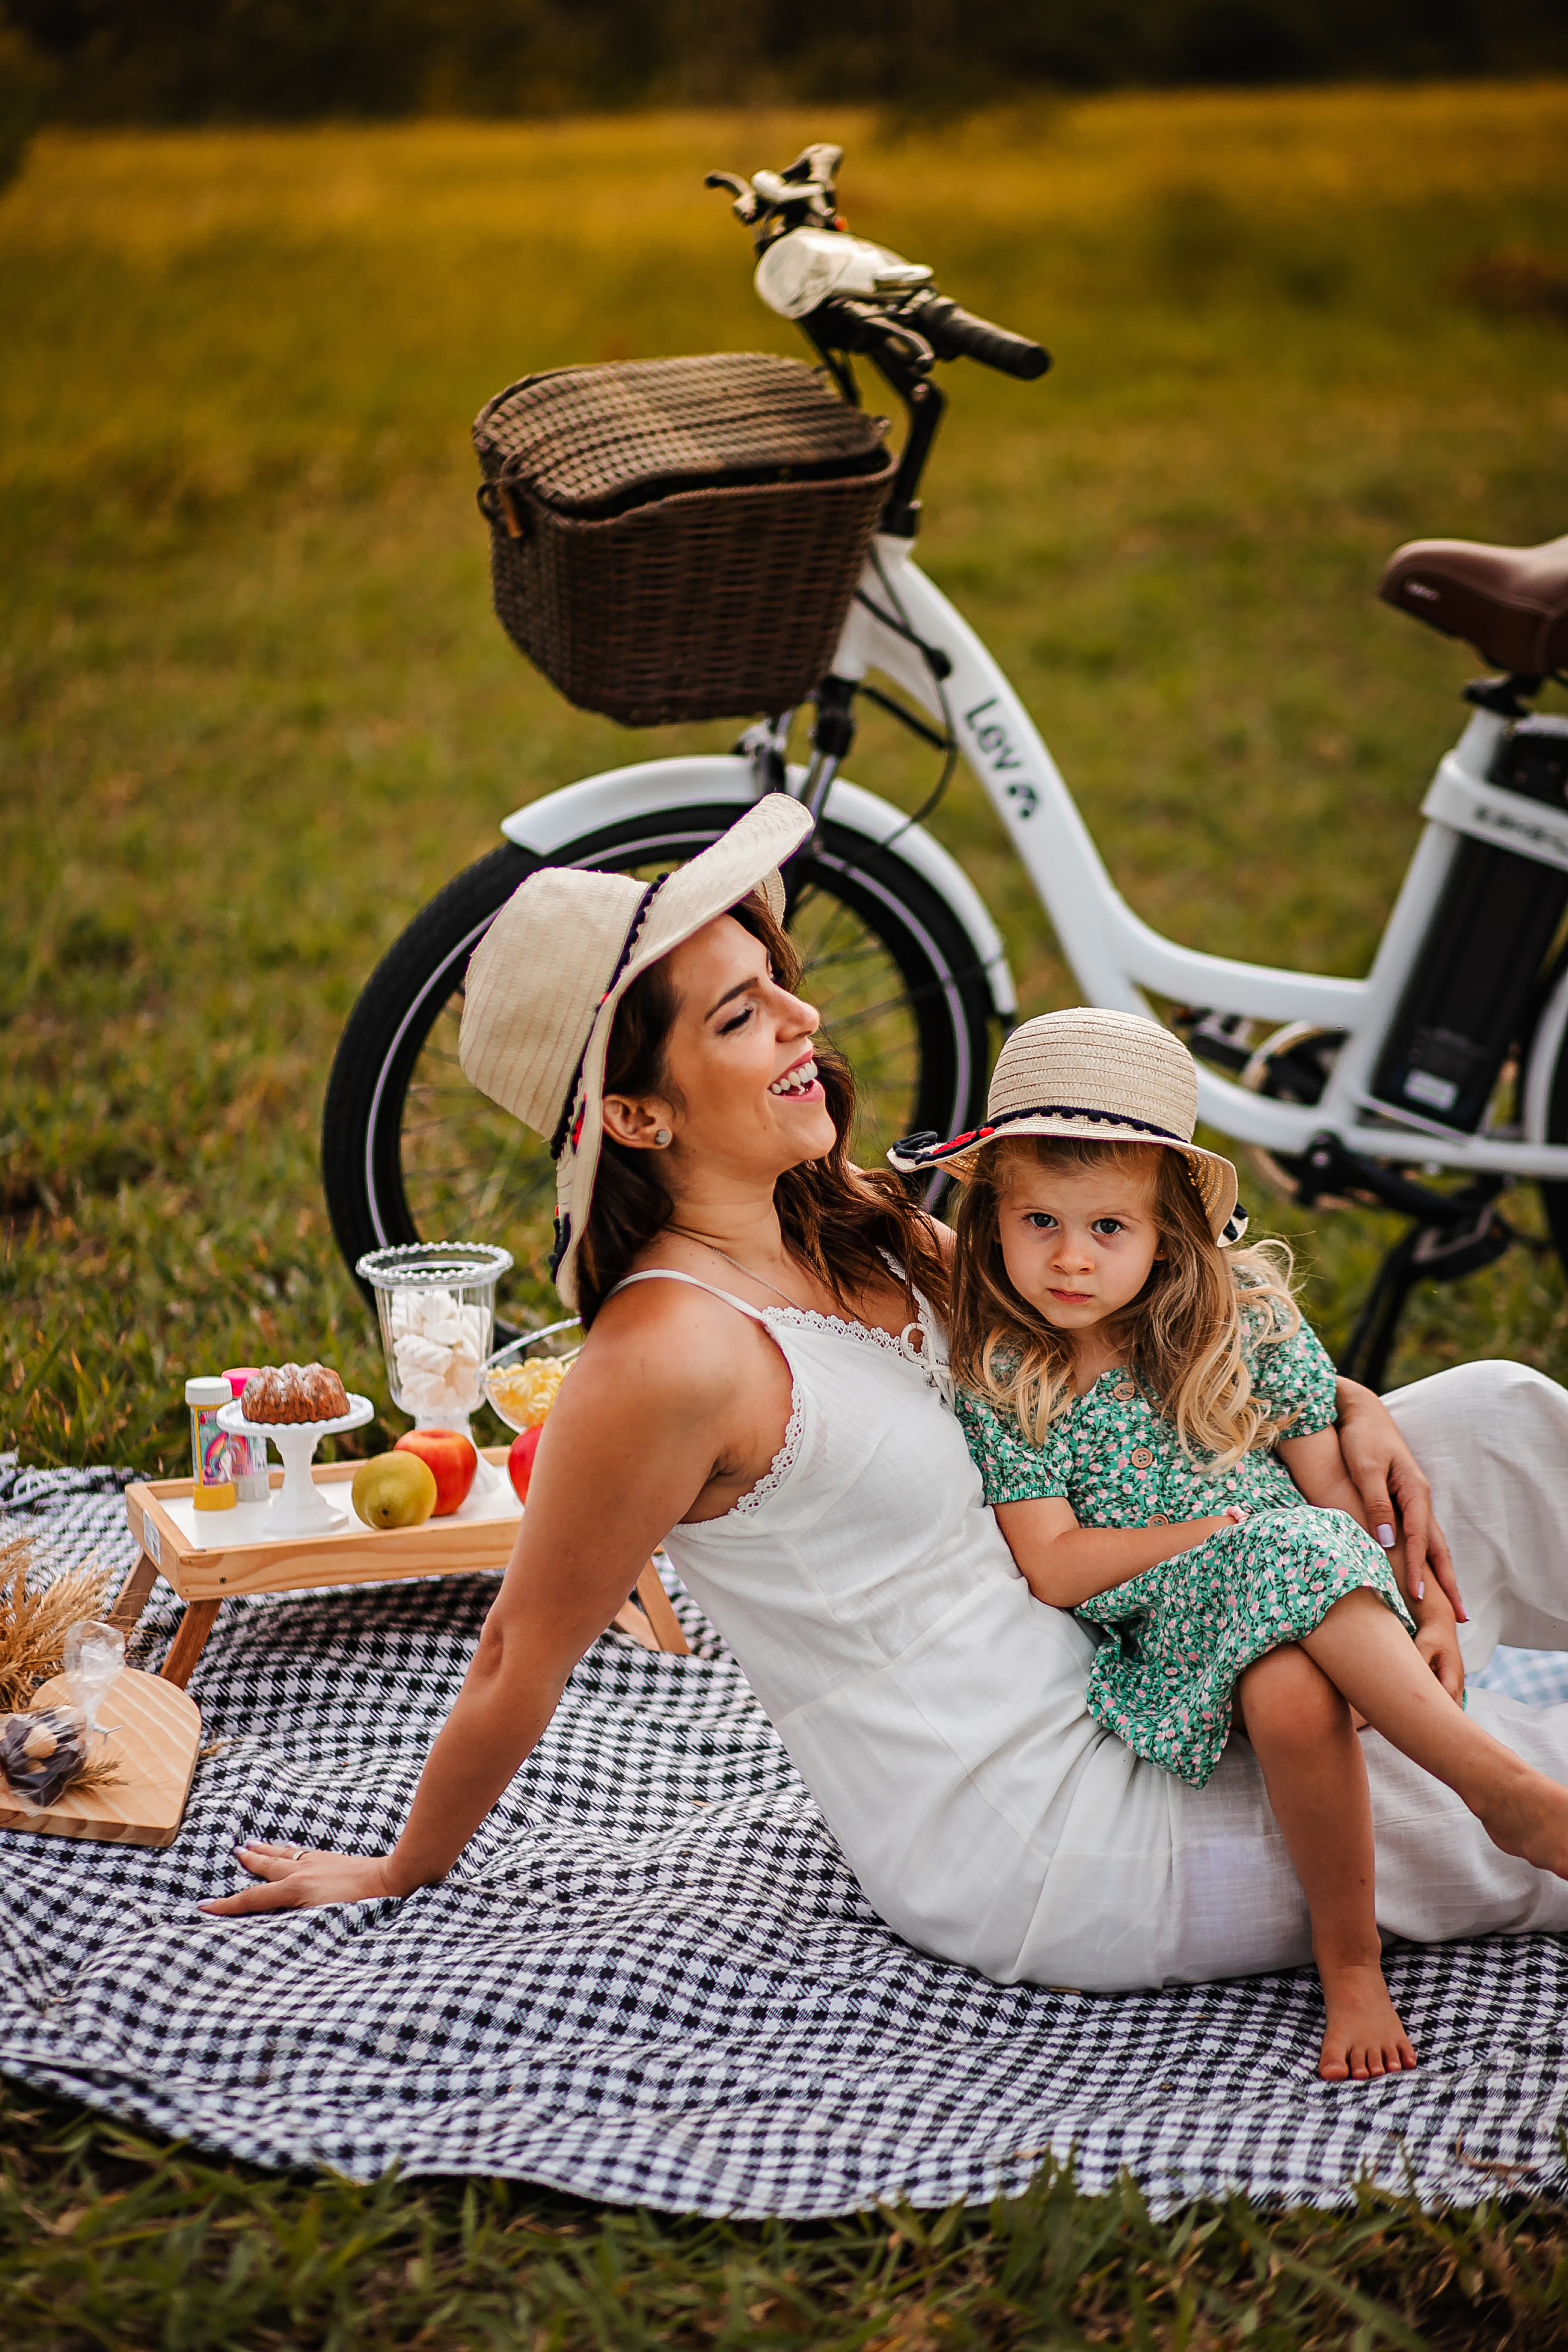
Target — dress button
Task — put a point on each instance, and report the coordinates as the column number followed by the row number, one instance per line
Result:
column 1124, row 1392
column 1141, row 1457
column 1159, row 1520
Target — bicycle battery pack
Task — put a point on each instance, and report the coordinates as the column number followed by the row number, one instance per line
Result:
column 1468, row 997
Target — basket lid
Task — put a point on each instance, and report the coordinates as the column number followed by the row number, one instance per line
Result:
column 591, row 437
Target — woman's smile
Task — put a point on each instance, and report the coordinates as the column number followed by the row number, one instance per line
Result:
column 799, row 1083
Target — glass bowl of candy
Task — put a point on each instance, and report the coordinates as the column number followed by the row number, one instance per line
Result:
column 522, row 1381
column 436, row 1303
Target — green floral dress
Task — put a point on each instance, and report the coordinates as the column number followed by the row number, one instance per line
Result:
column 1177, row 1639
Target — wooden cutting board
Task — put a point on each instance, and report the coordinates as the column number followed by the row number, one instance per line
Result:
column 157, row 1731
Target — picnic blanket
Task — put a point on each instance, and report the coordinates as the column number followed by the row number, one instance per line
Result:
column 652, row 1979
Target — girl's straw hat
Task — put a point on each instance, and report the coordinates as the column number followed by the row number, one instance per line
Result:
column 545, row 983
column 1108, row 1078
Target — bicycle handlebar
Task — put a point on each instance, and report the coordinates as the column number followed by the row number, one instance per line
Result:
column 953, row 333
column 857, row 327
column 930, row 328
column 874, row 303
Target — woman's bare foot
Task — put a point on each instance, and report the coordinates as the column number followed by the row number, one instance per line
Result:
column 1364, row 2037
column 1528, row 1815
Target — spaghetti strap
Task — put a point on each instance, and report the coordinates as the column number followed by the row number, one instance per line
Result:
column 671, row 1273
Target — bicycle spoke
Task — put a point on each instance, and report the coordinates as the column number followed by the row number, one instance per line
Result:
column 842, row 959
column 868, row 1013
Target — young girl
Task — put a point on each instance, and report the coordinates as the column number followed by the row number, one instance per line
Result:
column 1154, row 1425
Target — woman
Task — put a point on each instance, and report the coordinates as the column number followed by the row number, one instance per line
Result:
column 762, row 1386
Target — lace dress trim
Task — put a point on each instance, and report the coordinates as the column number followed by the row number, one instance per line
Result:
column 778, row 1469
column 788, row 1452
column 926, row 1358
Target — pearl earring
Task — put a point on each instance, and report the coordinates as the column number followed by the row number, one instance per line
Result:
column 661, row 1135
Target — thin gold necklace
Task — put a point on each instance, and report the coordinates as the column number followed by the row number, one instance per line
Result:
column 735, row 1262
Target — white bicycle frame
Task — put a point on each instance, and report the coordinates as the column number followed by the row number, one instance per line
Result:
column 1116, row 957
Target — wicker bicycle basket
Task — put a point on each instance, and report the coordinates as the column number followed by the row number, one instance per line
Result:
column 680, row 538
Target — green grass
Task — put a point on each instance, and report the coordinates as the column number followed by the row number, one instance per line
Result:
column 255, row 711
column 108, row 2239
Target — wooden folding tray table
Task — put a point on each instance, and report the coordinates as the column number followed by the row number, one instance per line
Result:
column 210, row 1556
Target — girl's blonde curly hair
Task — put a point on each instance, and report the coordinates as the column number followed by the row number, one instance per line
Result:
column 1185, row 1334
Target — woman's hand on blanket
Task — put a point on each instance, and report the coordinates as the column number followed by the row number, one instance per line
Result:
column 299, row 1878
column 1394, row 1490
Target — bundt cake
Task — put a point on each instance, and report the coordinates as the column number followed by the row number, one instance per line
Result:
column 294, row 1392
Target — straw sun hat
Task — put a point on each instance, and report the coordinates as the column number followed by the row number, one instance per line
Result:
column 1110, row 1077
column 545, row 983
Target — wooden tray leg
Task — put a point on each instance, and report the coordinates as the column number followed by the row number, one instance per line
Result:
column 655, row 1624
column 190, row 1641
column 630, row 1620
column 132, row 1596
column 660, row 1615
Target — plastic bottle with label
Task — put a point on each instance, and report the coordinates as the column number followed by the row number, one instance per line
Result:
column 212, row 1463
column 249, row 1454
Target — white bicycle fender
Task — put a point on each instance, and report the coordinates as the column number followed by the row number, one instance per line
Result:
column 721, row 779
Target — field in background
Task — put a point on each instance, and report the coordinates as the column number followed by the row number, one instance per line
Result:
column 255, row 712
column 256, row 709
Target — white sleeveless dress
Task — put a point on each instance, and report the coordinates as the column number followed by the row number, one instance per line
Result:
column 935, row 1709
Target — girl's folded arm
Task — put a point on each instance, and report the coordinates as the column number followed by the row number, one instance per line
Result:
column 1066, row 1565
column 1318, row 1467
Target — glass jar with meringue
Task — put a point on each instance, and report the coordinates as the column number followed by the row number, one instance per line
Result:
column 437, row 1305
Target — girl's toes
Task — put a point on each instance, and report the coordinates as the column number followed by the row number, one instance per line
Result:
column 1332, row 2065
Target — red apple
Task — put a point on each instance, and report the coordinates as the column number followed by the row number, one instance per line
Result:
column 520, row 1460
column 452, row 1461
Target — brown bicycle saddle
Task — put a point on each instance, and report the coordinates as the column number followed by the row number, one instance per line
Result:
column 1509, row 603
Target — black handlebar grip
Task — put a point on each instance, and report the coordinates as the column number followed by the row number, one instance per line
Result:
column 953, row 334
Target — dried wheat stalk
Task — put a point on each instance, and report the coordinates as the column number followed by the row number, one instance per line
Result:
column 102, row 1772
column 34, row 1624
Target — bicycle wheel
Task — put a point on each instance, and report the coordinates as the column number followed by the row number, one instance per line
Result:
column 411, row 1151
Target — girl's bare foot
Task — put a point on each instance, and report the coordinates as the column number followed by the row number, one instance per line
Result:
column 1528, row 1815
column 1363, row 2038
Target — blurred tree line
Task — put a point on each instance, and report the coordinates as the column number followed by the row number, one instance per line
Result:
column 279, row 61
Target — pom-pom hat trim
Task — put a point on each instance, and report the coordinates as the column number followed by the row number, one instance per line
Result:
column 1100, row 1077
column 545, row 983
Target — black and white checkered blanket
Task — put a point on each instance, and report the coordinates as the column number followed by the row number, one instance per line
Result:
column 653, row 1980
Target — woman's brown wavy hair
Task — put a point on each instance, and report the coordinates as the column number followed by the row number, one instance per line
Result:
column 1183, row 1334
column 837, row 1219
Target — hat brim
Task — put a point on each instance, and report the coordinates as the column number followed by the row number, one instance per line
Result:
column 960, row 1156
column 746, row 858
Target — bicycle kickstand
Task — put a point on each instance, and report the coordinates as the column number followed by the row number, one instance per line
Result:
column 1425, row 1252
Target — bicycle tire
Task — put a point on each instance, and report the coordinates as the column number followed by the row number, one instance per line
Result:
column 396, row 1103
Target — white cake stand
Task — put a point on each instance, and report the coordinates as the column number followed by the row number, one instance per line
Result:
column 299, row 1507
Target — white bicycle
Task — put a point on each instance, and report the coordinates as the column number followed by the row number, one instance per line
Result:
column 1447, row 1060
